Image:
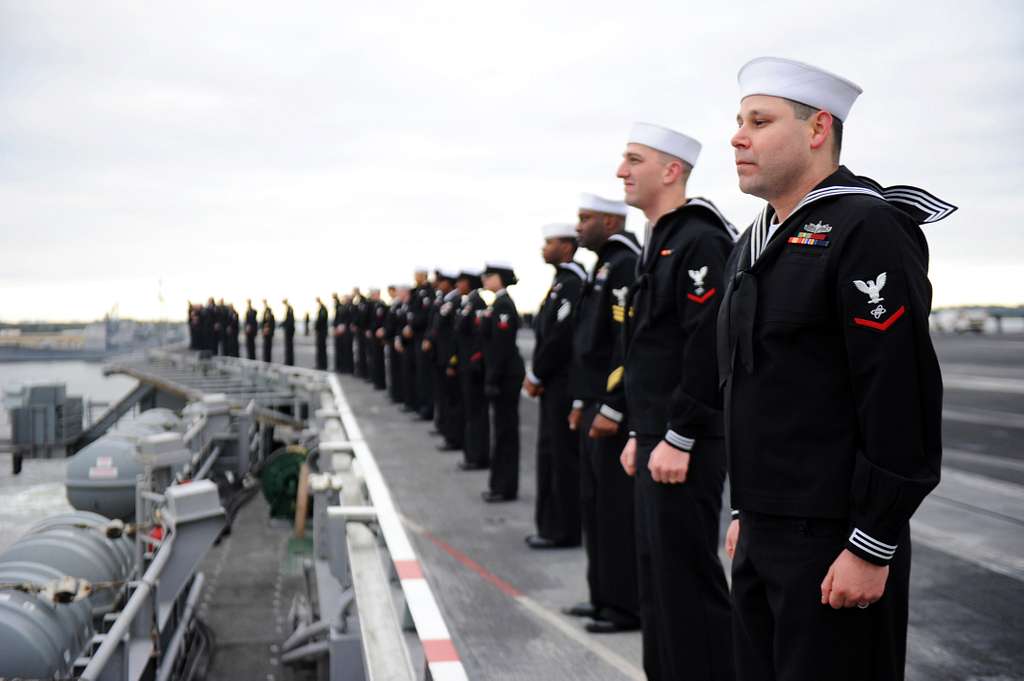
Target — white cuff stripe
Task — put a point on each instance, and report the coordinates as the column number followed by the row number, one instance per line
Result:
column 577, row 404
column 871, row 545
column 533, row 378
column 677, row 440
column 610, row 413
column 632, row 433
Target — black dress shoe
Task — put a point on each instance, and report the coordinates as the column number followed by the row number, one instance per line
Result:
column 607, row 627
column 494, row 498
column 463, row 466
column 581, row 610
column 535, row 541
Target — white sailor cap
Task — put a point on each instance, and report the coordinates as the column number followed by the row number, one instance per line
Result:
column 421, row 269
column 800, row 82
column 492, row 265
column 559, row 230
column 445, row 273
column 665, row 140
column 502, row 268
column 601, row 205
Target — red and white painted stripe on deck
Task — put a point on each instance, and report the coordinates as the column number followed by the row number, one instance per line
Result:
column 442, row 657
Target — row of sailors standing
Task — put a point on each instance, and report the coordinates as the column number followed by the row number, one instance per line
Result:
column 778, row 345
column 445, row 356
column 215, row 327
column 781, row 347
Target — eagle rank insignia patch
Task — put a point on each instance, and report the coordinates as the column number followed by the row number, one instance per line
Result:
column 700, row 295
column 881, row 319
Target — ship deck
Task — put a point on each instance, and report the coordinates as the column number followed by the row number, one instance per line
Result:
column 502, row 600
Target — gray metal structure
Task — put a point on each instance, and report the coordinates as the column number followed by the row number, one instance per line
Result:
column 374, row 611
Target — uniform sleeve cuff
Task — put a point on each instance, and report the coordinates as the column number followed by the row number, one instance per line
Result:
column 632, row 434
column 734, row 513
column 577, row 404
column 610, row 413
column 870, row 549
column 679, row 441
column 532, row 377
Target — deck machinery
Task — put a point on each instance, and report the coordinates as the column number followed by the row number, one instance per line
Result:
column 110, row 592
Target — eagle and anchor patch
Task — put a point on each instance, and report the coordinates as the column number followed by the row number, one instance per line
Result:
column 880, row 316
column 700, row 295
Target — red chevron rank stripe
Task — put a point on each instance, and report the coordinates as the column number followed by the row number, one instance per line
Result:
column 700, row 300
column 881, row 326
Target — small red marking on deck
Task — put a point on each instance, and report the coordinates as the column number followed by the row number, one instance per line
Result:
column 476, row 567
column 440, row 650
column 408, row 569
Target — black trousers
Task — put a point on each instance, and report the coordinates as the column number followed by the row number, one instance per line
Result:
column 379, row 370
column 409, row 377
column 268, row 344
column 289, row 349
column 476, row 444
column 453, row 421
column 557, row 512
column 440, row 397
column 781, row 629
column 607, row 514
column 345, row 362
column 321, row 352
column 684, row 598
column 424, row 381
column 394, row 359
column 505, row 451
column 250, row 346
column 360, row 361
column 338, row 351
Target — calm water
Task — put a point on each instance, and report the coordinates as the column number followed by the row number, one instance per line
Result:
column 83, row 379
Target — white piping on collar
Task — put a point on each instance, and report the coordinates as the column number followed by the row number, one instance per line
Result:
column 619, row 238
column 575, row 268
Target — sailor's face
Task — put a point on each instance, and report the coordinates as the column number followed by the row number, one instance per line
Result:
column 640, row 171
column 771, row 146
column 552, row 251
column 590, row 229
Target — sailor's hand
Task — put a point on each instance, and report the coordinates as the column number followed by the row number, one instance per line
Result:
column 602, row 426
column 732, row 535
column 531, row 388
column 575, row 416
column 380, row 333
column 668, row 464
column 628, row 457
column 407, row 331
column 426, row 345
column 853, row 582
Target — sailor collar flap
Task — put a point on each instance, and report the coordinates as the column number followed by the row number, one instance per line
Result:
column 739, row 303
column 670, row 223
column 572, row 267
column 922, row 206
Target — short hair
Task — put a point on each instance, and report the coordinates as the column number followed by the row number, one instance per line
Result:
column 667, row 158
column 803, row 112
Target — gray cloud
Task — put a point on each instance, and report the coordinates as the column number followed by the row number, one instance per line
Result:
column 266, row 149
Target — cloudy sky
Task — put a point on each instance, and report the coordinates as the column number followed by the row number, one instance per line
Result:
column 270, row 149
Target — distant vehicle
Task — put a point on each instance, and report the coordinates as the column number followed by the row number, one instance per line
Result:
column 970, row 321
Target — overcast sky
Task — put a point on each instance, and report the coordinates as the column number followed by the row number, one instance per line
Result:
column 271, row 149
